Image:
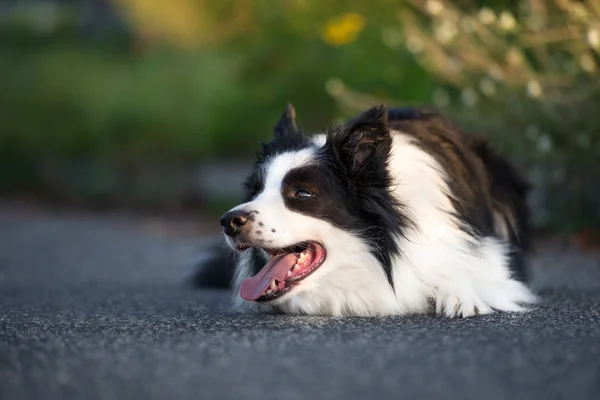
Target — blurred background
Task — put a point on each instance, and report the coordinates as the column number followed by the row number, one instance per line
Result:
column 159, row 106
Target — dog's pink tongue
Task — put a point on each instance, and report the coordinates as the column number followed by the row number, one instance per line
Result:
column 277, row 268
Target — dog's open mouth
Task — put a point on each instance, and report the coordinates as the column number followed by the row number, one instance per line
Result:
column 285, row 269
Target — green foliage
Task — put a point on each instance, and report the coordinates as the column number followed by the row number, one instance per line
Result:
column 104, row 107
column 64, row 98
column 75, row 102
column 74, row 107
column 529, row 79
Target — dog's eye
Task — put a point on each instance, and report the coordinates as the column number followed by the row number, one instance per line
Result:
column 302, row 193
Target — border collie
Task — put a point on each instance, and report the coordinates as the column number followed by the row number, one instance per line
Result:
column 395, row 212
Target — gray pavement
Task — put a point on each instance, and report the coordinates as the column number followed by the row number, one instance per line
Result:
column 96, row 308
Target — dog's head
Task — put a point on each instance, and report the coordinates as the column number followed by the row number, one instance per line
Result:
column 315, row 205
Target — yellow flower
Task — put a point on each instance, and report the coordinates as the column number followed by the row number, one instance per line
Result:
column 343, row 29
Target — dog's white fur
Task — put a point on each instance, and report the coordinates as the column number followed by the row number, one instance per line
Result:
column 439, row 265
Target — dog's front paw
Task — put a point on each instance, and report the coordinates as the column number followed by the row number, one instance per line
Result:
column 456, row 306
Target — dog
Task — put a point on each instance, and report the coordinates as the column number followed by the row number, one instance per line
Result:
column 395, row 212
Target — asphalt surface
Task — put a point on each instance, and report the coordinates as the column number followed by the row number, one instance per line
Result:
column 96, row 308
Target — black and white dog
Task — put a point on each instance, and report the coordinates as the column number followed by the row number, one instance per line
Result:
column 395, row 212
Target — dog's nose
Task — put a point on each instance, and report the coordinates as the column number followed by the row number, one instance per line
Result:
column 234, row 221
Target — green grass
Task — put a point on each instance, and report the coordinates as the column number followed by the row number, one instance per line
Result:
column 66, row 102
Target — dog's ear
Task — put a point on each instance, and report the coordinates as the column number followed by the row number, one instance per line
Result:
column 363, row 144
column 287, row 126
column 286, row 130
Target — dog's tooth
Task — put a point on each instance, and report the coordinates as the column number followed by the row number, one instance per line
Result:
column 273, row 285
column 296, row 267
column 289, row 273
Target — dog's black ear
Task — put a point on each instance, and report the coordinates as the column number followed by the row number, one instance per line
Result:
column 286, row 132
column 363, row 144
column 287, row 126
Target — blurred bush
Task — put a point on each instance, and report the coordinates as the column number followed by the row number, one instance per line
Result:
column 183, row 82
column 168, row 85
column 527, row 77
column 161, row 94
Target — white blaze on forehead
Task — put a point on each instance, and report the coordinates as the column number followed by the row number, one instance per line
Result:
column 276, row 169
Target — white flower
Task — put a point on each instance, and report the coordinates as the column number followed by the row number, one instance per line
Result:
column 587, row 63
column 446, row 31
column 534, row 89
column 434, row 7
column 593, row 38
column 507, row 21
column 486, row 16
